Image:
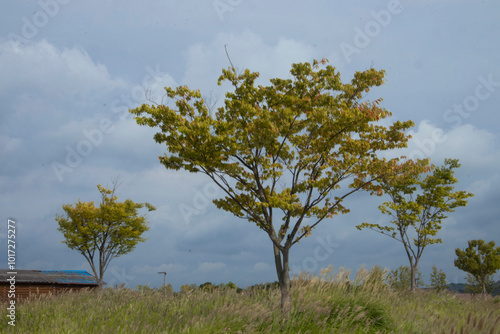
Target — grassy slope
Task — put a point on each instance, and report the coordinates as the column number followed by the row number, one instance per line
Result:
column 325, row 305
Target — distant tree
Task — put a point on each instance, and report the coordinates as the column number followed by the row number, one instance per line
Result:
column 108, row 231
column 481, row 260
column 438, row 279
column 207, row 286
column 231, row 285
column 418, row 216
column 401, row 278
column 285, row 155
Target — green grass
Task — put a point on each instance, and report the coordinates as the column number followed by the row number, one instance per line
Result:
column 326, row 304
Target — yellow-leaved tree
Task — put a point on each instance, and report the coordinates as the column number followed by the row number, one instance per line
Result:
column 108, row 231
column 417, row 207
column 285, row 155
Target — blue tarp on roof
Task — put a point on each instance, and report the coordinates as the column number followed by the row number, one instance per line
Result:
column 70, row 276
column 52, row 276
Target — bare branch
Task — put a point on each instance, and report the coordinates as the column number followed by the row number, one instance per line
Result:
column 229, row 58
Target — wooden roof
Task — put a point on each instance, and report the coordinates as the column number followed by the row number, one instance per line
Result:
column 48, row 277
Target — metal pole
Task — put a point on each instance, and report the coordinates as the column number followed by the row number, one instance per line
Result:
column 164, row 277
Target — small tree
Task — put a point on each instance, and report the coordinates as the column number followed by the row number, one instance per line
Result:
column 481, row 260
column 401, row 278
column 108, row 231
column 438, row 279
column 417, row 218
column 285, row 155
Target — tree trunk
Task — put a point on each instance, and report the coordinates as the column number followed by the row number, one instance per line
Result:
column 101, row 270
column 413, row 270
column 283, row 271
column 96, row 274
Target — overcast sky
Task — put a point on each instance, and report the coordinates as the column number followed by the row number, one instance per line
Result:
column 70, row 70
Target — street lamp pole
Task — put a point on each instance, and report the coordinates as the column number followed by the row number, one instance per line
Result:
column 164, row 277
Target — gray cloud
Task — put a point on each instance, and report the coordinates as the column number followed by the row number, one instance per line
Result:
column 65, row 92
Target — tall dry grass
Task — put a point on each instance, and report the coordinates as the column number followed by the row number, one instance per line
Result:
column 328, row 303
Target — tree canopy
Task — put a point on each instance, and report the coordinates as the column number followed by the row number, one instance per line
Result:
column 109, row 230
column 479, row 259
column 417, row 207
column 286, row 155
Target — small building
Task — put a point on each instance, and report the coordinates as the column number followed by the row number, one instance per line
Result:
column 29, row 282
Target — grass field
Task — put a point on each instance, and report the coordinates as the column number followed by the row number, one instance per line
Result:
column 326, row 304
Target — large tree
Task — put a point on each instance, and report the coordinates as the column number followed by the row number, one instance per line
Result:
column 481, row 260
column 286, row 155
column 108, row 231
column 418, row 206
